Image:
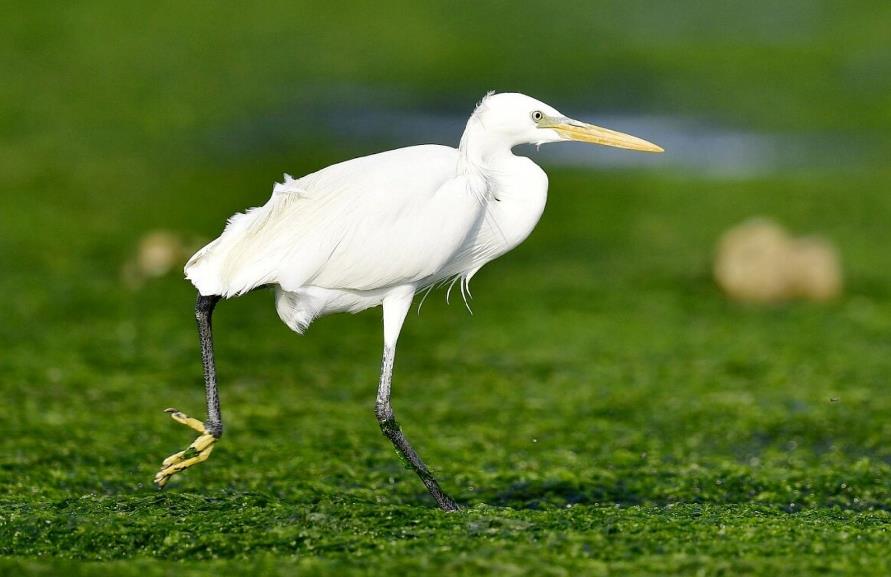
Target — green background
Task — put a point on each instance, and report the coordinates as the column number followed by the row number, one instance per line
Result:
column 604, row 412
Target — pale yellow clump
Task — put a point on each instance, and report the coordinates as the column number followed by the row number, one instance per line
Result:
column 157, row 254
column 159, row 251
column 815, row 270
column 757, row 261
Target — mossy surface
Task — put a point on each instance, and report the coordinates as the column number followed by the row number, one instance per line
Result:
column 605, row 411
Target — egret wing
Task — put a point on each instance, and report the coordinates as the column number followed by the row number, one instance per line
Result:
column 372, row 222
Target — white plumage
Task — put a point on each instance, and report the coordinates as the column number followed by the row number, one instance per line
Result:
column 374, row 230
column 337, row 239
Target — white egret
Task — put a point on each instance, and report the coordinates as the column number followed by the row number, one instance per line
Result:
column 375, row 230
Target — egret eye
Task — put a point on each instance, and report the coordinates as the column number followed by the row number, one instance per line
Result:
column 536, row 116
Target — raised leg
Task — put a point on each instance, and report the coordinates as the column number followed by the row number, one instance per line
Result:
column 395, row 308
column 212, row 428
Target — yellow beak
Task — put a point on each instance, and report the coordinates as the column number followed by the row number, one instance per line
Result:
column 582, row 132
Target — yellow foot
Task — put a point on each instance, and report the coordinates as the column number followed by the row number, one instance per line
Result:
column 197, row 452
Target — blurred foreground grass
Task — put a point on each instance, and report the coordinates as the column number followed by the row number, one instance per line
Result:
column 604, row 411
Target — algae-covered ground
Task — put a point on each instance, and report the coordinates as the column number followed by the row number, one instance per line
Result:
column 604, row 411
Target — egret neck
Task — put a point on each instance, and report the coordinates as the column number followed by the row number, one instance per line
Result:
column 513, row 187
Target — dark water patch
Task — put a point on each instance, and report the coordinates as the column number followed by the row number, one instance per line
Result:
column 694, row 146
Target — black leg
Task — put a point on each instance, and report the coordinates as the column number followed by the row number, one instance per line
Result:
column 390, row 428
column 203, row 313
column 212, row 428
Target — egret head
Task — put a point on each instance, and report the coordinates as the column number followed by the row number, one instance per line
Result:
column 520, row 119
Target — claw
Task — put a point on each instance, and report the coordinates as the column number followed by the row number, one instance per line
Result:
column 186, row 420
column 200, row 445
column 197, row 452
column 164, row 475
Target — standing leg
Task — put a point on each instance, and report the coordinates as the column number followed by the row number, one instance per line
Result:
column 395, row 308
column 212, row 428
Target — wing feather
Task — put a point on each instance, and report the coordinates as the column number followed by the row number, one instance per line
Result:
column 391, row 218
